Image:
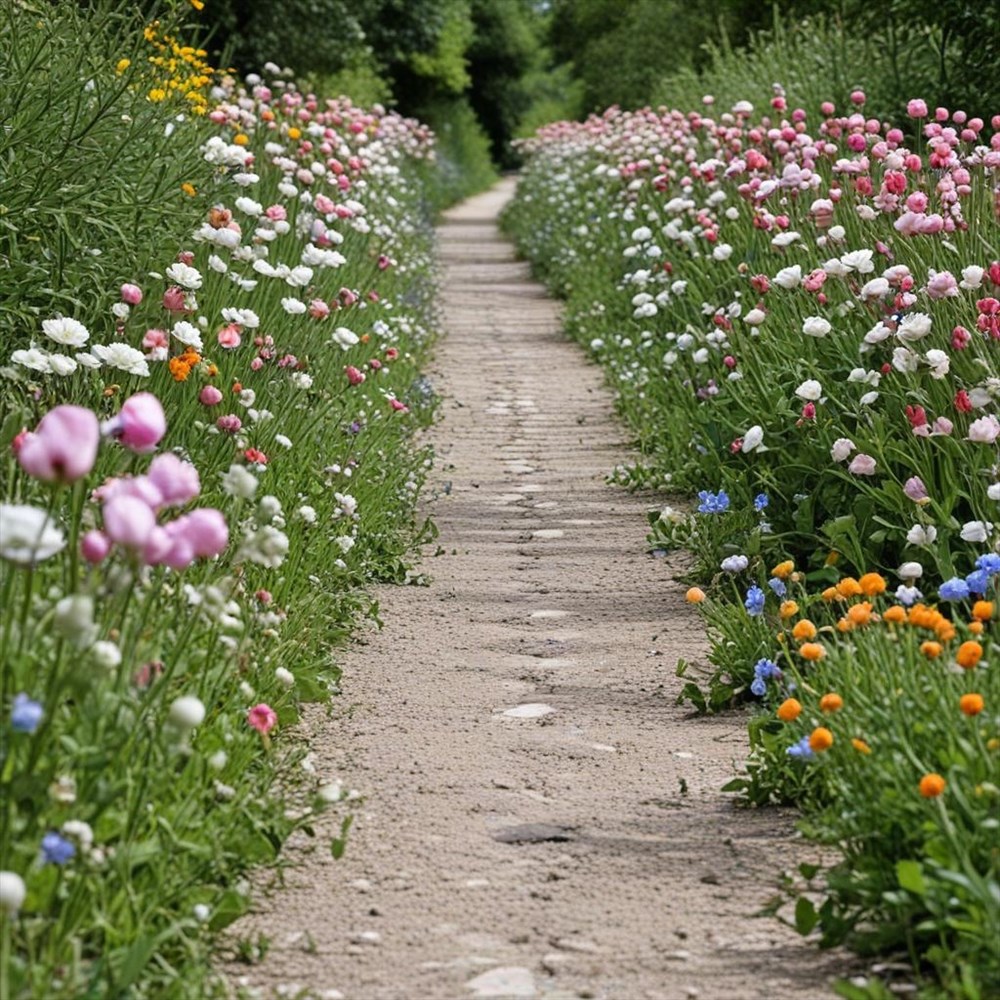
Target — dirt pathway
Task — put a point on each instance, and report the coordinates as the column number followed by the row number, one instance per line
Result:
column 539, row 818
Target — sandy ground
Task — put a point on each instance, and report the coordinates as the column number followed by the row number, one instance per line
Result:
column 539, row 819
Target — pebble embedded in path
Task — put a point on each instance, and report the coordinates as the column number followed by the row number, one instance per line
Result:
column 538, row 817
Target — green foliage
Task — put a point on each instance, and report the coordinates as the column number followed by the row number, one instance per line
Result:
column 463, row 164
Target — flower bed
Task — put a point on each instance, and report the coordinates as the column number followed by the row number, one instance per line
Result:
column 800, row 316
column 201, row 480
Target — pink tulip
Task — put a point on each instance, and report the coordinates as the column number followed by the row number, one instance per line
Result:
column 140, row 423
column 132, row 294
column 176, row 479
column 128, row 521
column 207, row 531
column 210, row 396
column 63, row 448
column 914, row 488
column 95, row 546
column 862, row 465
column 158, row 546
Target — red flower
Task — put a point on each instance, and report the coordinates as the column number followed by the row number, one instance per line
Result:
column 962, row 401
column 255, row 456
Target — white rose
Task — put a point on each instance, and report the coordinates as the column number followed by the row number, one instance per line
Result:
column 816, row 326
column 810, row 389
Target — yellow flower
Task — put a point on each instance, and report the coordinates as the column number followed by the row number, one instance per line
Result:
column 783, row 569
column 122, row 65
column 189, row 189
column 240, row 139
column 861, row 746
column 788, row 609
column 294, row 133
column 157, row 94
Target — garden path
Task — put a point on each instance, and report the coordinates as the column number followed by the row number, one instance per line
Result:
column 529, row 693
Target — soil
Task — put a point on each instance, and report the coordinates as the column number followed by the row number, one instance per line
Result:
column 538, row 818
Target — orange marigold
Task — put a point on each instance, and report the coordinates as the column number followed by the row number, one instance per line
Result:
column 788, row 609
column 982, row 610
column 789, row 710
column 831, row 702
column 783, row 569
column 812, row 651
column 895, row 614
column 931, row 649
column 977, row 628
column 820, row 739
column 804, row 630
column 860, row 614
column 932, row 785
column 179, row 368
column 848, row 587
column 830, row 594
column 695, row 595
column 971, row 704
column 872, row 584
column 969, row 654
column 861, row 746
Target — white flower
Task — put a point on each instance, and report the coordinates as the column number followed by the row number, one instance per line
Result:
column 755, row 317
column 12, row 892
column 972, row 276
column 786, row 239
column 239, row 481
column 88, row 361
column 283, row 676
column 723, row 251
column 217, row 264
column 345, row 543
column 218, row 760
column 904, row 360
column 913, row 327
column 188, row 333
column 939, row 362
column 301, row 380
column 247, row 397
column 81, row 832
column 294, row 307
column 348, row 504
column 61, row 364
column 121, row 356
column 877, row 288
column 810, row 389
column 868, row 398
column 64, row 331
column 835, row 268
column 816, row 326
column 248, row 206
column 201, row 912
column 858, row 260
column 908, row 595
column 734, row 564
column 993, row 491
column 186, row 712
column 106, row 654
column 921, row 535
column 120, row 310
column 841, row 449
column 975, row 531
column 246, row 318
column 753, row 439
column 344, row 337
column 34, row 358
column 299, row 276
column 877, row 334
column 642, row 234
column 267, row 546
column 789, row 277
column 985, row 430
column 910, row 571
column 283, row 440
column 28, row 535
column 185, row 276
column 73, row 619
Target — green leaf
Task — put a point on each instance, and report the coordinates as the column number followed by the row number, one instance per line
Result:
column 808, row 872
column 805, row 915
column 339, row 844
column 910, row 875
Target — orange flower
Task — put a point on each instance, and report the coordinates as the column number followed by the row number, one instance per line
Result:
column 860, row 614
column 804, row 630
column 831, row 702
column 931, row 649
column 783, row 570
column 971, row 704
column 977, row 628
column 179, row 368
column 830, row 594
column 788, row 608
column 895, row 614
column 695, row 595
column 872, row 584
column 820, row 739
column 861, row 746
column 294, row 133
column 845, row 625
column 789, row 710
column 848, row 587
column 982, row 610
column 932, row 785
column 969, row 654
column 240, row 139
column 812, row 651
column 944, row 630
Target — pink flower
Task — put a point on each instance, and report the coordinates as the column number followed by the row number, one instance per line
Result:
column 209, row 396
column 263, row 718
column 277, row 213
column 862, row 465
column 323, row 204
column 916, row 108
column 229, row 337
column 318, row 309
column 229, row 424
column 354, row 375
column 960, row 338
column 158, row 546
column 398, row 406
column 140, row 423
column 207, row 531
column 985, row 430
column 128, row 521
column 942, row 425
column 173, row 300
column 63, row 448
column 176, row 479
column 154, row 339
column 95, row 546
column 132, row 294
column 914, row 488
column 942, row 285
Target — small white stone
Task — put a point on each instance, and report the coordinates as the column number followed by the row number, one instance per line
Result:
column 548, row 533
column 549, row 614
column 367, row 937
column 506, row 981
column 534, row 710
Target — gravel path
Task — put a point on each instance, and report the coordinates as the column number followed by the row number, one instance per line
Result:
column 539, row 819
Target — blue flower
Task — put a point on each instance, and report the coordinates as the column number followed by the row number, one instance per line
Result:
column 25, row 714
column 755, row 601
column 908, row 595
column 758, row 687
column 734, row 564
column 760, row 501
column 777, row 586
column 713, row 503
column 978, row 581
column 990, row 562
column 56, row 850
column 801, row 749
column 955, row 589
column 766, row 669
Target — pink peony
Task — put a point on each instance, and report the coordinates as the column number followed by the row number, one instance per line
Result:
column 916, row 108
column 862, row 465
column 229, row 337
column 132, row 294
column 207, row 531
column 176, row 479
column 128, row 521
column 209, row 396
column 140, row 424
